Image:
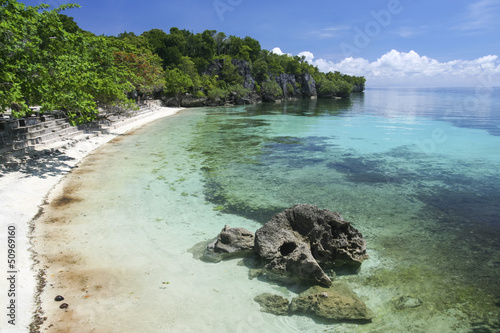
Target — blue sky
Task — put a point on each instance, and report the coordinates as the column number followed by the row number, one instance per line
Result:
column 391, row 42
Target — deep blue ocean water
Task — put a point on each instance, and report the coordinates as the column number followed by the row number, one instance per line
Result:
column 417, row 171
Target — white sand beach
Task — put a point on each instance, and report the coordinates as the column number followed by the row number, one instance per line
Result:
column 23, row 189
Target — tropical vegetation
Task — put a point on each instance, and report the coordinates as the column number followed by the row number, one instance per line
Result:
column 47, row 60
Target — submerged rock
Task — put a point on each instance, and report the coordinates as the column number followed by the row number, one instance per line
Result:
column 297, row 242
column 274, row 304
column 231, row 242
column 408, row 302
column 338, row 302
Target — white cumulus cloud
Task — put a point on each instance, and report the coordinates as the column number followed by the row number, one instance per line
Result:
column 278, row 51
column 308, row 56
column 412, row 69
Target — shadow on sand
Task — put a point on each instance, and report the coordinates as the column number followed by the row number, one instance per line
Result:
column 40, row 164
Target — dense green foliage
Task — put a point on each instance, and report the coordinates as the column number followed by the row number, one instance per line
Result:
column 47, row 60
column 193, row 53
column 180, row 47
column 272, row 89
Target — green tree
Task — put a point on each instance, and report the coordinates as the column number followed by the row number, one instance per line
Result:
column 176, row 47
column 157, row 42
column 84, row 78
column 221, row 44
column 130, row 42
column 208, row 82
column 69, row 24
column 43, row 64
column 21, row 55
column 260, row 69
column 234, row 46
column 229, row 72
column 254, row 48
column 344, row 89
column 327, row 87
column 143, row 70
column 272, row 88
column 238, row 90
column 188, row 67
column 244, row 53
column 177, row 82
column 274, row 62
column 217, row 94
column 201, row 49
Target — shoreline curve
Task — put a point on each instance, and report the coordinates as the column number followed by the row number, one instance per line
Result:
column 23, row 191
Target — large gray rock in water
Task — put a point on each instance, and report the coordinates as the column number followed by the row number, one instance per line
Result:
column 338, row 302
column 287, row 253
column 231, row 242
column 297, row 242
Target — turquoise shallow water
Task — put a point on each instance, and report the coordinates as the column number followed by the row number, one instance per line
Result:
column 416, row 171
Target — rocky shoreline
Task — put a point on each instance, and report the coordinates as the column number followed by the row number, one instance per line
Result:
column 301, row 246
column 290, row 87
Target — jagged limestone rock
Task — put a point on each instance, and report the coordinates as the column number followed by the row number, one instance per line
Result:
column 274, row 304
column 297, row 242
column 230, row 243
column 338, row 302
column 308, row 85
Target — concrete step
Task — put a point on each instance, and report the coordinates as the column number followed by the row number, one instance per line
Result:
column 33, row 127
column 49, row 129
column 39, row 128
column 63, row 141
column 62, row 133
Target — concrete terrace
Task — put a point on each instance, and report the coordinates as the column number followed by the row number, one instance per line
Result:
column 52, row 131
